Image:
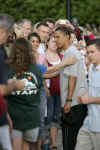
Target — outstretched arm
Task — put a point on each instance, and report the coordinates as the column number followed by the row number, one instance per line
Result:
column 13, row 84
column 85, row 99
column 50, row 75
column 67, row 62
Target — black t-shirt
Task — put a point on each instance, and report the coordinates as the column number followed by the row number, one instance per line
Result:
column 3, row 79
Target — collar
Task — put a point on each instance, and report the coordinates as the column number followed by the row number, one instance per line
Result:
column 97, row 68
column 70, row 48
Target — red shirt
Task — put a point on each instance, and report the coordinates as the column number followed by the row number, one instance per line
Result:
column 55, row 82
column 3, row 105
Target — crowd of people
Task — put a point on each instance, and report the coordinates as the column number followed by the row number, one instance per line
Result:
column 49, row 79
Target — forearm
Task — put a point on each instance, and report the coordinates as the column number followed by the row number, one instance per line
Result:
column 64, row 63
column 53, row 69
column 93, row 100
column 71, row 86
column 50, row 75
column 12, row 85
column 5, row 89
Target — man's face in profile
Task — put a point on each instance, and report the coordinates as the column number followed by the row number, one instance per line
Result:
column 60, row 38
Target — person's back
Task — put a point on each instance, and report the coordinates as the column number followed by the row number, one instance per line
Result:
column 26, row 100
column 24, row 104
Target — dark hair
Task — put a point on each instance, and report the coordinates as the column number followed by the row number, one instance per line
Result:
column 21, row 56
column 11, row 37
column 50, row 20
column 42, row 24
column 86, row 38
column 95, row 42
column 50, row 37
column 65, row 30
column 34, row 34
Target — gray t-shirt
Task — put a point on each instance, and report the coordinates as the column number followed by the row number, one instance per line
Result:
column 76, row 70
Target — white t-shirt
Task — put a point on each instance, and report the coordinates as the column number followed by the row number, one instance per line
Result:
column 41, row 48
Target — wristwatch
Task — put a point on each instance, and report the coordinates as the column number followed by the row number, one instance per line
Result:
column 68, row 100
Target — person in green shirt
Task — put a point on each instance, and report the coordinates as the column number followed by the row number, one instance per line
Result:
column 23, row 105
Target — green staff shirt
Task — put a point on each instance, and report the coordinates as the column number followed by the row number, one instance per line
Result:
column 23, row 106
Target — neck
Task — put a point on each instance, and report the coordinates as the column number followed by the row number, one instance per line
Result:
column 51, row 51
column 67, row 44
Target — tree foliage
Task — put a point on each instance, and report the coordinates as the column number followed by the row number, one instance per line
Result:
column 86, row 10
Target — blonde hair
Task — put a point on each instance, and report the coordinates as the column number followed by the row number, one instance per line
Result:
column 19, row 30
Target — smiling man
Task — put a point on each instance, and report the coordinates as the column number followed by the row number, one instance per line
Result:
column 89, row 134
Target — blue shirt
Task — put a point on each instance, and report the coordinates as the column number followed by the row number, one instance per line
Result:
column 92, row 121
column 43, row 68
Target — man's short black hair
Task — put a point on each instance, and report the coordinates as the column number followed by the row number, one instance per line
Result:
column 95, row 42
column 42, row 24
column 64, row 29
column 50, row 20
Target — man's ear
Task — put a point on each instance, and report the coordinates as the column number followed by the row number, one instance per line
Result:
column 67, row 36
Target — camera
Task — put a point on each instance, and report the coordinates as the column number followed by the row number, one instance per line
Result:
column 63, row 21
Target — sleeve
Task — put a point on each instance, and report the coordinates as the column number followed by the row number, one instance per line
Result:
column 72, row 70
column 39, row 76
column 3, row 70
column 43, row 68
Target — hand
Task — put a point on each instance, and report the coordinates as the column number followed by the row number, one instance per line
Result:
column 83, row 99
column 67, row 107
column 16, row 84
column 11, row 81
column 58, row 22
column 79, row 99
column 68, row 24
column 19, row 84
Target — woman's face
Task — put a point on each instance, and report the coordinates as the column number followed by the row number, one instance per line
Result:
column 52, row 44
column 35, row 43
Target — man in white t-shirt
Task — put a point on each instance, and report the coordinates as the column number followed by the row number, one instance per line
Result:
column 43, row 31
